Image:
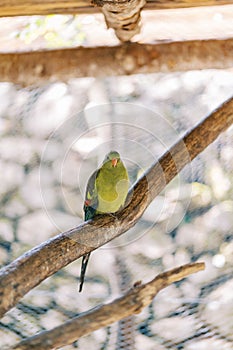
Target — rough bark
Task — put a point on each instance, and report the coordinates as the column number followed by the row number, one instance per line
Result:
column 45, row 7
column 133, row 302
column 16, row 279
column 33, row 68
column 123, row 16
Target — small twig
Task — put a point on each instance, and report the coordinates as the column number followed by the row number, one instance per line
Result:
column 17, row 278
column 133, row 302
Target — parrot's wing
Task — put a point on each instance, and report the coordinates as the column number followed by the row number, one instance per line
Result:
column 91, row 198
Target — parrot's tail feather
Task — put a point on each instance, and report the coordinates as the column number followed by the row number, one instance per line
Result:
column 83, row 269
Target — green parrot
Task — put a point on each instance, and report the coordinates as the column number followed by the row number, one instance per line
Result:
column 106, row 192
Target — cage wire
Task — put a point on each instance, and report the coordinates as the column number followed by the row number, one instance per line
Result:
column 52, row 138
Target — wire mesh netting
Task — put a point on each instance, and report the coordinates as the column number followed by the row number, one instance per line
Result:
column 52, row 138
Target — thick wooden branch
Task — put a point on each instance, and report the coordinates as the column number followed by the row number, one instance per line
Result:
column 133, row 302
column 123, row 16
column 42, row 66
column 17, row 279
column 46, row 7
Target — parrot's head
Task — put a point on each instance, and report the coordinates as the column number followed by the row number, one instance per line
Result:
column 112, row 158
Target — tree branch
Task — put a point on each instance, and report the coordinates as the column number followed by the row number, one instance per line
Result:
column 17, row 278
column 36, row 67
column 133, row 302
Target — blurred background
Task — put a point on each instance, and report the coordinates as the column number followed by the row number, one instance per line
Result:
column 52, row 137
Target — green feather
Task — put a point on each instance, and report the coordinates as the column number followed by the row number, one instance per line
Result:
column 106, row 192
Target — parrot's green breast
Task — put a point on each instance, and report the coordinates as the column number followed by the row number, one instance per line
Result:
column 112, row 185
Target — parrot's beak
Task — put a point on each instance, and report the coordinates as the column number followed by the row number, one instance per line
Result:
column 114, row 162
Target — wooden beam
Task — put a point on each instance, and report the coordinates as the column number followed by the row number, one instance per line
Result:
column 175, row 4
column 38, row 67
column 45, row 7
